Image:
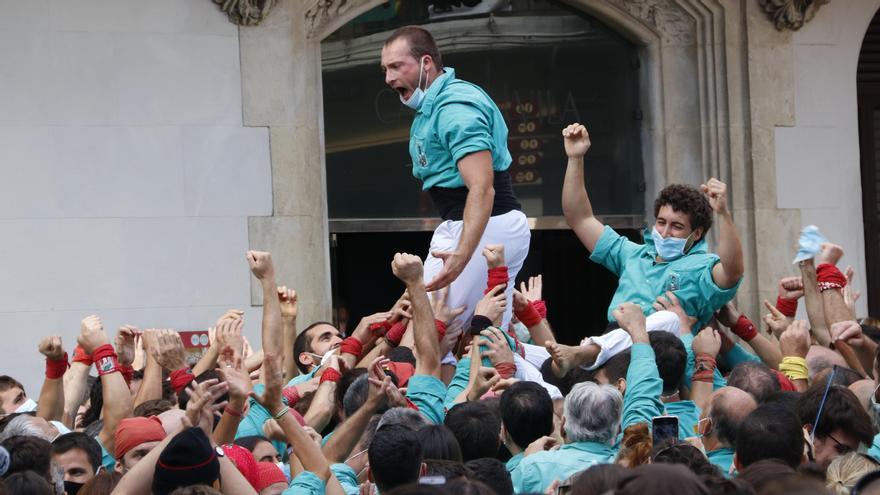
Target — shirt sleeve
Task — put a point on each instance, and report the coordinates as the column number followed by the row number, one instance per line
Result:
column 459, row 381
column 643, row 387
column 463, row 129
column 428, row 393
column 107, row 459
column 613, row 250
column 347, row 478
column 715, row 296
column 306, row 483
column 738, row 354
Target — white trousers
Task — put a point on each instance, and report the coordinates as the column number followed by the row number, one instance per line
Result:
column 510, row 229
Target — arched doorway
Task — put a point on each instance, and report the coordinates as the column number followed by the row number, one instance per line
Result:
column 546, row 65
column 868, row 79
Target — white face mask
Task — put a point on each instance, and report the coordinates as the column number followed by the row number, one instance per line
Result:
column 326, row 357
column 415, row 99
column 28, row 406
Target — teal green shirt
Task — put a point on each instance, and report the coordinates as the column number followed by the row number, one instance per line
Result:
column 688, row 415
column 874, row 450
column 722, row 458
column 642, row 279
column 456, row 118
column 428, row 392
column 738, row 354
column 641, row 402
column 514, row 461
column 252, row 423
column 107, row 459
column 306, row 483
column 537, row 471
column 347, row 478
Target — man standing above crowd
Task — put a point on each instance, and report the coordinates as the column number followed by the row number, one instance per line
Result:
column 458, row 145
column 674, row 257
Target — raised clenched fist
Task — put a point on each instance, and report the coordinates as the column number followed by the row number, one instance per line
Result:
column 407, row 267
column 260, row 263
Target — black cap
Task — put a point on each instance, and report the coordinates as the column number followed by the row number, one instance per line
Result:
column 187, row 460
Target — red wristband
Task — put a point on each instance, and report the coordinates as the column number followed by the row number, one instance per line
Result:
column 127, row 373
column 56, row 369
column 105, row 360
column 81, row 356
column 788, row 307
column 441, row 329
column 380, row 328
column 541, row 307
column 232, row 412
column 395, row 333
column 181, row 378
column 497, row 276
column 351, row 345
column 291, row 394
column 506, row 370
column 330, row 375
column 529, row 316
column 829, row 277
column 744, row 328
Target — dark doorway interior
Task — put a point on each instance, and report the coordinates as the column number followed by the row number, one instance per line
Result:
column 868, row 77
column 577, row 290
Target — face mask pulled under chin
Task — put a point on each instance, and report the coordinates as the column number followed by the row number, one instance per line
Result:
column 418, row 96
column 28, row 406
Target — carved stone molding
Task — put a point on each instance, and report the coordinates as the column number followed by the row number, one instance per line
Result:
column 791, row 14
column 664, row 16
column 323, row 12
column 246, row 12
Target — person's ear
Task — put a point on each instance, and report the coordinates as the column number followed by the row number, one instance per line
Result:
column 119, row 467
column 305, row 358
column 621, row 386
column 562, row 427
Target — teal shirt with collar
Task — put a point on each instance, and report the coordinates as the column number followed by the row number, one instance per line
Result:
column 456, row 118
column 347, row 478
column 537, row 471
column 723, row 459
column 642, row 279
column 688, row 415
column 514, row 461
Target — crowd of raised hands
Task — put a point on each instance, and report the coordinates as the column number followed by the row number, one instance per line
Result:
column 422, row 398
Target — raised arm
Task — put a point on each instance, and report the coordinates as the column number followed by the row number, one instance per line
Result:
column 479, row 178
column 151, row 385
column 346, row 436
column 706, row 346
column 727, row 272
column 408, row 268
column 261, row 266
column 831, row 283
column 289, row 309
column 51, row 404
column 575, row 202
column 117, row 397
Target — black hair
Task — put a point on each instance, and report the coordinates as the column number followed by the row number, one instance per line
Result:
column 526, row 412
column 477, row 429
column 303, row 343
column 616, row 368
column 402, row 354
column 599, row 478
column 770, row 432
column 352, row 391
column 686, row 455
column 395, row 456
column 152, row 407
column 96, row 402
column 755, row 378
column 761, row 473
column 183, row 395
column 689, row 200
column 28, row 482
column 493, row 473
column 842, row 410
column 671, row 358
column 438, row 442
column 78, row 440
column 27, row 453
column 449, row 470
column 250, row 442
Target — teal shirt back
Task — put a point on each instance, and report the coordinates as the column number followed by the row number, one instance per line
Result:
column 642, row 279
column 688, row 415
column 537, row 471
column 456, row 118
column 722, row 459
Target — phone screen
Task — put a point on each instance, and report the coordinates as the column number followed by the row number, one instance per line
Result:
column 664, row 429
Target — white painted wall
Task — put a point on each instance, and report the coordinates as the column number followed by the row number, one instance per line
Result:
column 126, row 176
column 817, row 160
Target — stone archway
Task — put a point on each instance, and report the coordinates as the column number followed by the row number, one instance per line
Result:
column 698, row 121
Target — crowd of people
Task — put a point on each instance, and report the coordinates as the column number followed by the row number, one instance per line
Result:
column 425, row 399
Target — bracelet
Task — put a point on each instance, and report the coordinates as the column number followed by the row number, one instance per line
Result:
column 232, row 412
column 284, row 410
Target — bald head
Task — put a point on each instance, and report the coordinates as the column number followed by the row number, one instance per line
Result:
column 820, row 358
column 728, row 407
column 863, row 390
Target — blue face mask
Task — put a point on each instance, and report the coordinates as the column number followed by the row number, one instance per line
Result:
column 670, row 248
column 415, row 100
